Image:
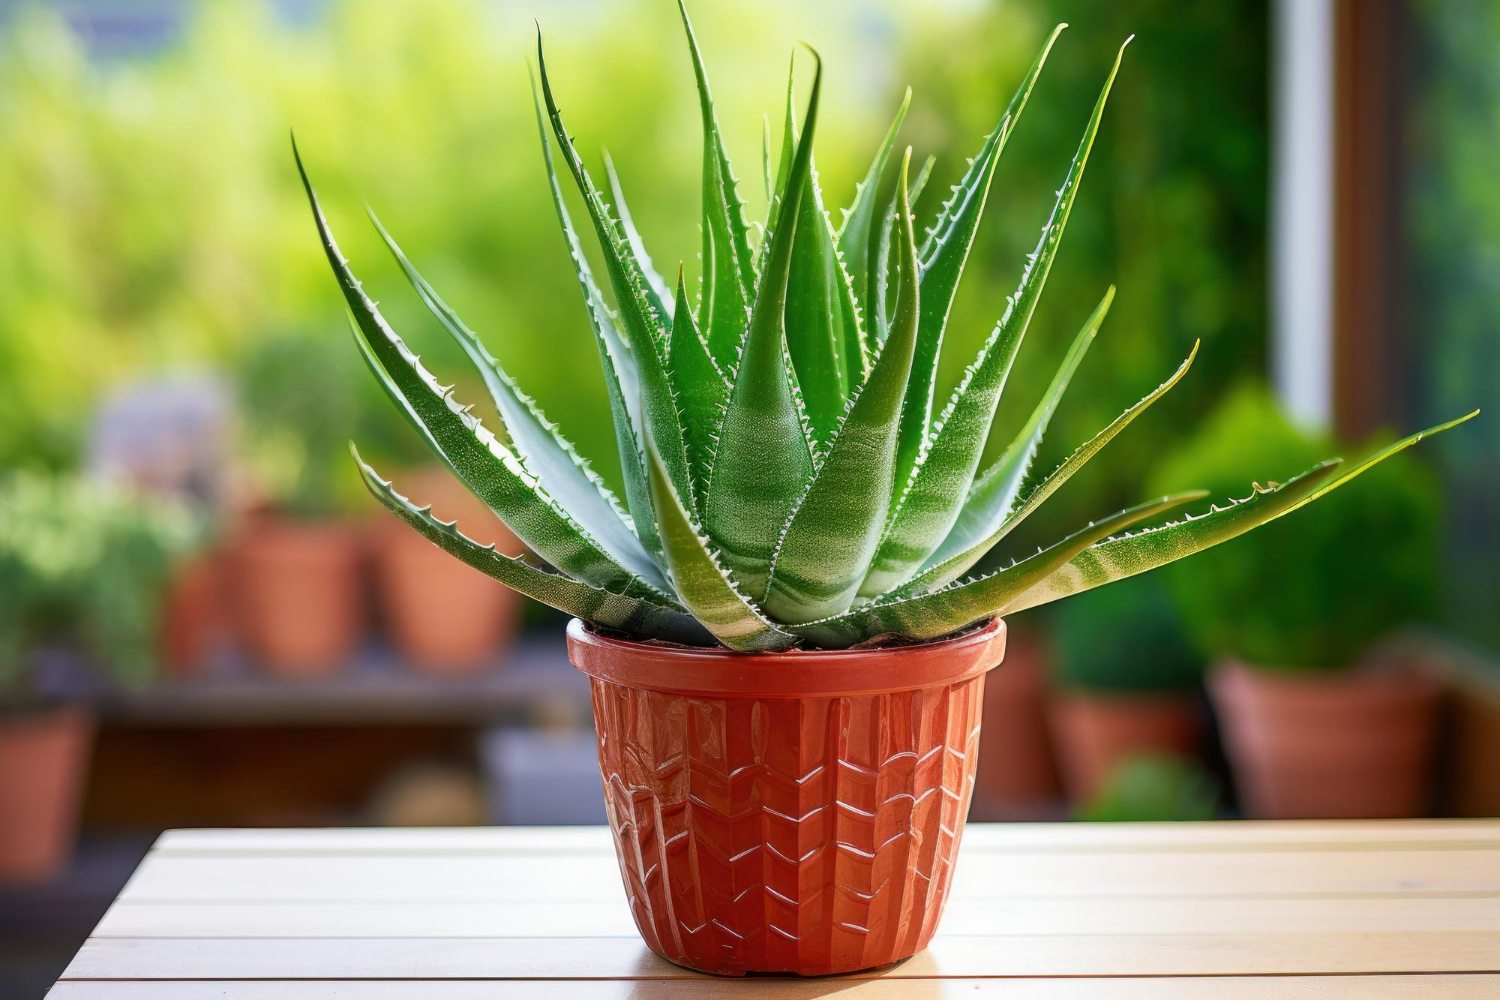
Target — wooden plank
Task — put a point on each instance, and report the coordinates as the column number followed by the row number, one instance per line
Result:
column 1437, row 987
column 1239, row 835
column 961, row 917
column 421, row 840
column 949, row 956
column 998, row 875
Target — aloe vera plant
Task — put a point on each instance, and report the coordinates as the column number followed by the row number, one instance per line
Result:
column 788, row 478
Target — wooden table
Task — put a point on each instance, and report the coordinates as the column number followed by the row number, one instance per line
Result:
column 1262, row 910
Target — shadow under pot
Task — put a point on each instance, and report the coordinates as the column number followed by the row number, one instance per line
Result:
column 791, row 813
column 1350, row 744
column 301, row 600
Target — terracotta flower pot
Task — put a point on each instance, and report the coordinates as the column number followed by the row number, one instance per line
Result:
column 193, row 618
column 43, row 761
column 796, row 813
column 301, row 605
column 1018, row 776
column 444, row 616
column 1095, row 732
column 1354, row 744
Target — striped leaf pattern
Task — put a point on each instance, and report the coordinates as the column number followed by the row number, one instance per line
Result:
column 785, row 482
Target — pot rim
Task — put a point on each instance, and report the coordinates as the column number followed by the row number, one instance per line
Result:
column 1232, row 677
column 798, row 673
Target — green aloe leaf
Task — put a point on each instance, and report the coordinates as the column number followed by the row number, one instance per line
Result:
column 1146, row 550
column 822, row 319
column 621, row 384
column 701, row 580
column 830, row 537
column 981, row 526
column 995, row 490
column 878, row 312
column 545, row 453
column 1349, row 471
column 762, row 463
column 784, row 164
column 930, row 615
column 486, row 466
column 701, row 388
column 943, row 257
column 856, row 235
column 728, row 265
column 642, row 321
column 632, row 615
column 661, row 294
column 1130, row 554
column 941, row 487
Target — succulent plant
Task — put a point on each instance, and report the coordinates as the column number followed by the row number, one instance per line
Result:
column 788, row 479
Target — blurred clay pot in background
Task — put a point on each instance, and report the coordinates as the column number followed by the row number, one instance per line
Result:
column 1350, row 744
column 195, row 617
column 1097, row 730
column 300, row 599
column 444, row 616
column 1017, row 776
column 43, row 761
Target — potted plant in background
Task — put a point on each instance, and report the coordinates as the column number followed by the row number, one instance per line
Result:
column 1311, row 728
column 788, row 616
column 299, row 595
column 1018, row 776
column 1152, row 788
column 83, row 570
column 446, row 618
column 1127, row 683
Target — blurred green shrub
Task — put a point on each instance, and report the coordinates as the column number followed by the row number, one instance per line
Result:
column 1312, row 589
column 1452, row 217
column 297, row 395
column 1153, row 788
column 152, row 216
column 83, row 567
column 1124, row 637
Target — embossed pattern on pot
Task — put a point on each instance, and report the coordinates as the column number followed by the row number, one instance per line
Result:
column 813, row 835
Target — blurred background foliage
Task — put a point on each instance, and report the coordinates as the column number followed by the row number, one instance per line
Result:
column 153, row 220
column 1452, row 220
column 1313, row 590
column 82, row 565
